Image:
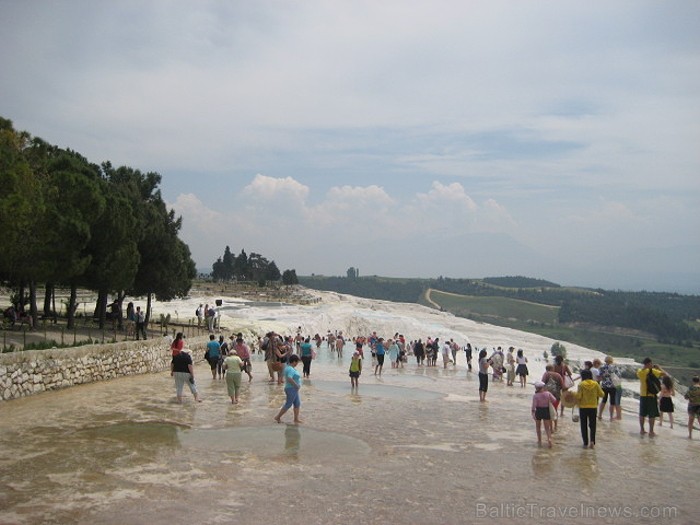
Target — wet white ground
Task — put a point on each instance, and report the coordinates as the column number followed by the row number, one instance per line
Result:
column 413, row 446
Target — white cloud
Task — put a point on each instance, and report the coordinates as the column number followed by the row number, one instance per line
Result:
column 271, row 188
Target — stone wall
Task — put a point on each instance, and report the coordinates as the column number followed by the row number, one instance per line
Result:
column 32, row 371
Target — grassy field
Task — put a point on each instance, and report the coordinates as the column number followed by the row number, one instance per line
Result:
column 682, row 362
column 498, row 307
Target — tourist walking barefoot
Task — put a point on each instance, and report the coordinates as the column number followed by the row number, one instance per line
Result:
column 243, row 351
column 455, row 348
column 446, row 349
column 355, row 370
column 483, row 375
column 564, row 371
column 541, row 400
column 666, row 400
column 393, row 353
column 510, row 367
column 183, row 373
column 379, row 353
column 609, row 378
column 693, row 397
column 234, row 366
column 521, row 371
column 588, row 393
column 307, row 354
column 292, row 385
column 212, row 354
column 553, row 382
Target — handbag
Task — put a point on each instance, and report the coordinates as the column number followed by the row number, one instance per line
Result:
column 553, row 412
column 277, row 366
column 616, row 380
column 574, row 416
column 568, row 382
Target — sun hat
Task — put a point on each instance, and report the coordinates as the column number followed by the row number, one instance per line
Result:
column 539, row 384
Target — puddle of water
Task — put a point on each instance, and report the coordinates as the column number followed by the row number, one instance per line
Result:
column 299, row 442
column 381, row 391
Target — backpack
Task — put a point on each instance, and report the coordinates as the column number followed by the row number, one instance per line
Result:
column 265, row 344
column 653, row 383
column 553, row 387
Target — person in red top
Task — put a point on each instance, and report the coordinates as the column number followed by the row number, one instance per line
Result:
column 243, row 352
column 554, row 384
column 178, row 344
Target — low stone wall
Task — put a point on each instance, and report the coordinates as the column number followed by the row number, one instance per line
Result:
column 32, row 371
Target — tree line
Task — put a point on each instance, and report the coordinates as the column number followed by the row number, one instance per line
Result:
column 70, row 222
column 253, row 267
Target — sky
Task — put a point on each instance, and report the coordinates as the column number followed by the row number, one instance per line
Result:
column 553, row 139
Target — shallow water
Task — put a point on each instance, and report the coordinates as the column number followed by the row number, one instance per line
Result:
column 412, row 446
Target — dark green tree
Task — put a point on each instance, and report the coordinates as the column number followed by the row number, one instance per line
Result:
column 229, row 261
column 272, row 273
column 74, row 203
column 290, row 277
column 240, row 267
column 217, row 270
column 113, row 248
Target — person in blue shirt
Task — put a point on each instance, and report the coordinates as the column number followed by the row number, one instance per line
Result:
column 307, row 355
column 212, row 354
column 379, row 351
column 292, row 384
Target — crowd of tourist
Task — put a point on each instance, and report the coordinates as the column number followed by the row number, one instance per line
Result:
column 599, row 384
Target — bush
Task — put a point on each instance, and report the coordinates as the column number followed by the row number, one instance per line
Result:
column 558, row 349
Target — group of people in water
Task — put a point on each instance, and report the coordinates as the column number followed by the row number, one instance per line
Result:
column 599, row 384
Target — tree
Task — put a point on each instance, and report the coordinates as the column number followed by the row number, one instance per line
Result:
column 240, row 267
column 558, row 349
column 257, row 266
column 228, row 264
column 165, row 267
column 272, row 273
column 74, row 203
column 21, row 210
column 113, row 248
column 290, row 277
column 353, row 273
column 217, row 270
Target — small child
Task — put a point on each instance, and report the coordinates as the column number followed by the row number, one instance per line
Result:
column 355, row 370
column 693, row 397
column 666, row 399
column 540, row 411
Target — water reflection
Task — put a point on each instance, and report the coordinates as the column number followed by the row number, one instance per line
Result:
column 292, row 441
column 542, row 462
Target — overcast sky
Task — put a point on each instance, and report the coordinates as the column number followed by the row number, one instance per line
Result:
column 553, row 139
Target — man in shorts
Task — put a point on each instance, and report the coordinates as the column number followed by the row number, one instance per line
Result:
column 648, row 405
